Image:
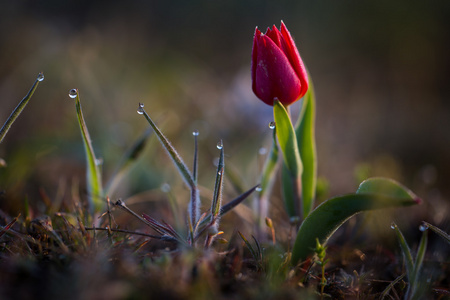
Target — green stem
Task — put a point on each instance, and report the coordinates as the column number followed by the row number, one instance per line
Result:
column 16, row 112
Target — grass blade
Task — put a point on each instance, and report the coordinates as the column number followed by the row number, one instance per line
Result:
column 233, row 203
column 20, row 107
column 305, row 132
column 322, row 222
column 93, row 174
column 176, row 158
column 406, row 251
column 9, row 225
column 217, row 198
column 413, row 291
column 438, row 231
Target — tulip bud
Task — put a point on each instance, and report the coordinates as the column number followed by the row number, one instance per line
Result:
column 277, row 68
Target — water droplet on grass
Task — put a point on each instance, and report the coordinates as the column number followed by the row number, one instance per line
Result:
column 258, row 188
column 423, row 227
column 195, row 133
column 272, row 125
column 262, row 151
column 140, row 109
column 99, row 161
column 40, row 76
column 73, row 93
column 220, row 145
column 393, row 225
column 165, row 187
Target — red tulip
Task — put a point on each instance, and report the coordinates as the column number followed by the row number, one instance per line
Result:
column 277, row 68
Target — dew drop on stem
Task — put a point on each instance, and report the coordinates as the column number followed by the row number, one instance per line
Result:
column 40, row 76
column 140, row 109
column 220, row 145
column 393, row 225
column 165, row 187
column 423, row 227
column 73, row 93
column 262, row 151
column 195, row 133
column 272, row 125
column 258, row 188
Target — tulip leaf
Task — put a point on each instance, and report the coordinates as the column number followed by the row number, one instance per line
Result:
column 323, row 221
column 287, row 139
column 292, row 167
column 291, row 200
column 305, row 131
column 93, row 174
column 20, row 107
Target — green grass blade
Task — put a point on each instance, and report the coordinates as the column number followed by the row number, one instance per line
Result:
column 322, row 222
column 176, row 158
column 233, row 203
column 292, row 162
column 129, row 158
column 305, row 132
column 414, row 281
column 93, row 174
column 20, row 107
column 406, row 251
column 217, row 198
column 438, row 231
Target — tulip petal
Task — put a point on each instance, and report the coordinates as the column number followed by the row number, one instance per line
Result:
column 275, row 35
column 272, row 73
column 292, row 53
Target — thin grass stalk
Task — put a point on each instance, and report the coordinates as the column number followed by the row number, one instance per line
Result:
column 20, row 107
column 178, row 161
column 194, row 204
column 406, row 251
column 413, row 292
column 93, row 173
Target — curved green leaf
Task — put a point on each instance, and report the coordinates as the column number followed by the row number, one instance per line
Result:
column 287, row 139
column 322, row 222
column 305, row 132
column 93, row 174
column 292, row 168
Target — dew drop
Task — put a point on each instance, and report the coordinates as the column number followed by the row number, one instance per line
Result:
column 220, row 145
column 40, row 76
column 258, row 188
column 73, row 93
column 220, row 173
column 195, row 133
column 262, row 151
column 423, row 227
column 140, row 109
column 99, row 161
column 165, row 187
column 393, row 225
column 272, row 125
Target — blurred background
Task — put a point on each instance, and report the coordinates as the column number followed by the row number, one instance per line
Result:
column 381, row 72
